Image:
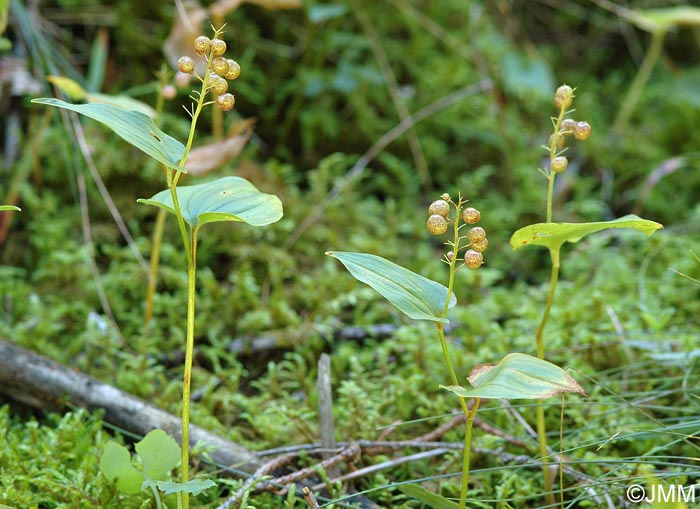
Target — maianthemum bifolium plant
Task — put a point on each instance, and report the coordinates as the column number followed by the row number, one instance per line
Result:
column 516, row 376
column 225, row 199
column 553, row 235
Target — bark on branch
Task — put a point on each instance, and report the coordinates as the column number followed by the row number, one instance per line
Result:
column 44, row 384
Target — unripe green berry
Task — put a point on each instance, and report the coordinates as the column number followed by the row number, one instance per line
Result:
column 185, row 64
column 568, row 125
column 583, row 131
column 560, row 141
column 564, row 97
column 169, row 92
column 437, row 225
column 220, row 66
column 225, row 101
column 182, row 79
column 234, row 70
column 471, row 215
column 202, row 45
column 218, row 47
column 473, row 259
column 217, row 84
column 440, row 207
column 476, row 234
column 559, row 164
column 480, row 247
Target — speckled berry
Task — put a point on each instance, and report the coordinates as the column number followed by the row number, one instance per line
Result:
column 559, row 164
column 202, row 45
column 220, row 66
column 450, row 255
column 473, row 259
column 218, row 47
column 564, row 97
column 225, row 101
column 471, row 215
column 567, row 126
column 437, row 225
column 440, row 207
column 217, row 84
column 185, row 64
column 234, row 70
column 445, row 196
column 476, row 234
column 583, row 131
column 560, row 141
column 480, row 247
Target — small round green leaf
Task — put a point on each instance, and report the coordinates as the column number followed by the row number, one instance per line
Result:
column 553, row 235
column 116, row 464
column 159, row 454
column 517, row 376
column 418, row 297
column 225, row 199
column 135, row 127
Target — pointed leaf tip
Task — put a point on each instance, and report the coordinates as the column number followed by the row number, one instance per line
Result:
column 418, row 297
column 553, row 235
column 133, row 126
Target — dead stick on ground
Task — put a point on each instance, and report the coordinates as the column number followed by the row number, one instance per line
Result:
column 41, row 383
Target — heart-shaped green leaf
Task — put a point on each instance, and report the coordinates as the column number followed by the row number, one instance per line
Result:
column 225, row 199
column 193, row 486
column 517, row 376
column 116, row 464
column 136, row 128
column 553, row 235
column 432, row 499
column 159, row 454
column 9, row 207
column 418, row 297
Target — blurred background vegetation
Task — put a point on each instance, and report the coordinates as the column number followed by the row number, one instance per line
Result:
column 325, row 83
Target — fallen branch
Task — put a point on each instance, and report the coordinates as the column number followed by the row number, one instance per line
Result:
column 36, row 381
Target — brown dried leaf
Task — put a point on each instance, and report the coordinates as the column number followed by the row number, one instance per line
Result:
column 186, row 27
column 206, row 158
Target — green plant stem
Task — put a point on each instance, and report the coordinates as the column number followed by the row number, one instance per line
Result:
column 643, row 74
column 541, row 428
column 554, row 277
column 466, row 457
column 189, row 350
column 156, row 243
column 539, row 337
column 190, row 246
column 550, row 195
column 552, row 155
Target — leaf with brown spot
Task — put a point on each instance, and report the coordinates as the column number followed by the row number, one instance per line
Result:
column 518, row 376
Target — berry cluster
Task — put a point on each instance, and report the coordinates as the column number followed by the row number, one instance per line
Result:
column 581, row 131
column 438, row 219
column 219, row 69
